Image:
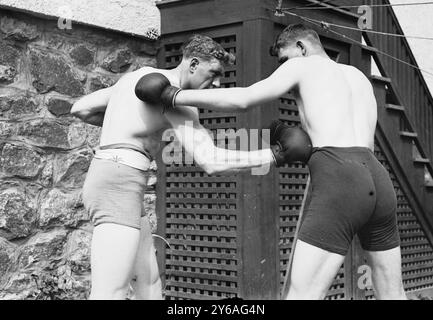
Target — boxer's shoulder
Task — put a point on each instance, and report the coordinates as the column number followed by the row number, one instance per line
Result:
column 139, row 73
column 355, row 76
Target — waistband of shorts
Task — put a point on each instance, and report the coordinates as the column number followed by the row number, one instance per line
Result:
column 128, row 157
column 127, row 146
column 343, row 149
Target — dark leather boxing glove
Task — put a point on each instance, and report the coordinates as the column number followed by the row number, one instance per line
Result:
column 155, row 88
column 289, row 144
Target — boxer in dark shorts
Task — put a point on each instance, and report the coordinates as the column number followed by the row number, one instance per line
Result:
column 350, row 194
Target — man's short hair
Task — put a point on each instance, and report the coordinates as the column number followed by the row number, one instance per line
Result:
column 206, row 48
column 293, row 33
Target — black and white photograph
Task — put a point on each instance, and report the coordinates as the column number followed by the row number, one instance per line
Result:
column 216, row 155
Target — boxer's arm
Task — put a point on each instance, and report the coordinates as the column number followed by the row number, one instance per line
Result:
column 197, row 142
column 285, row 78
column 91, row 108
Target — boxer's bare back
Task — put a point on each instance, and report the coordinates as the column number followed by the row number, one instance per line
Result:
column 336, row 103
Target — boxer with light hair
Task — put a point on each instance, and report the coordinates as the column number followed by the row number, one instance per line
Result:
column 132, row 130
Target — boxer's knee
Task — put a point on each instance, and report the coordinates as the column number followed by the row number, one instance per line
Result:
column 109, row 293
column 298, row 291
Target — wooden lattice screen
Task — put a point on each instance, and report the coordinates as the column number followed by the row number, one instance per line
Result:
column 231, row 236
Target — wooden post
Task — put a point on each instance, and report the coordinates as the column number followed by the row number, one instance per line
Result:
column 259, row 235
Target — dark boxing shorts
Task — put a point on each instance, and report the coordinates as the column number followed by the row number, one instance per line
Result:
column 351, row 194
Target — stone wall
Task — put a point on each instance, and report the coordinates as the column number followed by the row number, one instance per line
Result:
column 139, row 17
column 44, row 153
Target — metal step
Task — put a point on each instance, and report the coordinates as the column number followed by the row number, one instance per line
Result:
column 381, row 79
column 408, row 134
column 394, row 107
column 421, row 160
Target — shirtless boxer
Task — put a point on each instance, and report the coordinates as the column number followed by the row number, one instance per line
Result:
column 352, row 193
column 130, row 139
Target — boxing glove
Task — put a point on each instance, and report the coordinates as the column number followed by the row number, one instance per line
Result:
column 289, row 144
column 155, row 88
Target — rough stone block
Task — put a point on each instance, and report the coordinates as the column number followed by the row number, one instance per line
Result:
column 53, row 72
column 16, row 216
column 71, row 170
column 41, row 249
column 118, row 61
column 58, row 106
column 20, row 161
column 18, row 106
column 9, row 59
column 62, row 209
column 52, row 134
column 7, row 251
column 19, row 286
column 77, row 252
column 46, row 178
column 149, row 203
column 18, row 30
column 7, row 74
column 93, row 135
column 101, row 82
column 7, row 129
column 82, row 55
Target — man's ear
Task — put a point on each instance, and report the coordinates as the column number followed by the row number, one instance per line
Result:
column 193, row 64
column 302, row 47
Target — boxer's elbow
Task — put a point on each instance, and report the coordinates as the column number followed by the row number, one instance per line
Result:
column 81, row 114
column 236, row 100
column 242, row 107
column 77, row 111
column 207, row 163
column 241, row 103
column 212, row 169
column 207, row 166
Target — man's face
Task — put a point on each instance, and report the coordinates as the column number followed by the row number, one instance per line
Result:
column 205, row 74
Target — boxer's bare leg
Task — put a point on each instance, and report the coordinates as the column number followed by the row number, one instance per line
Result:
column 114, row 249
column 386, row 274
column 147, row 284
column 313, row 271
